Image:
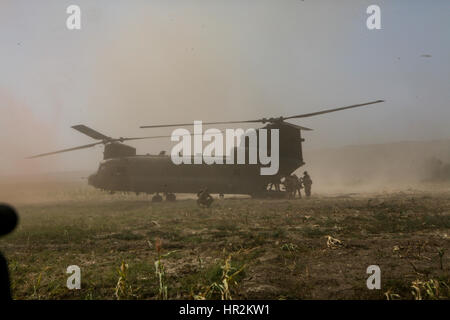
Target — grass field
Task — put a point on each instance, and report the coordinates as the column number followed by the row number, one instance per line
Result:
column 239, row 248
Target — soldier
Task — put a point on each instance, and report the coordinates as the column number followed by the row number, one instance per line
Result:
column 297, row 185
column 307, row 182
column 289, row 185
column 204, row 198
column 157, row 198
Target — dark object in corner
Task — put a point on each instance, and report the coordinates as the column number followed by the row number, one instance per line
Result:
column 8, row 221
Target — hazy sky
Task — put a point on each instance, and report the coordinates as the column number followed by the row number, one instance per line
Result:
column 151, row 62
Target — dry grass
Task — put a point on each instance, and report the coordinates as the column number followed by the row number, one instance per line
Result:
column 239, row 248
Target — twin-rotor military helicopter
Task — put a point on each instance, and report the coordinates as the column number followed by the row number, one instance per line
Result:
column 122, row 170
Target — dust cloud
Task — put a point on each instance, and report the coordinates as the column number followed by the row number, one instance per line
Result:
column 156, row 70
column 382, row 167
column 183, row 65
column 142, row 69
column 145, row 68
column 21, row 131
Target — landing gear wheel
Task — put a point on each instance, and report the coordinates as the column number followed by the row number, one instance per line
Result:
column 157, row 198
column 221, row 196
column 171, row 197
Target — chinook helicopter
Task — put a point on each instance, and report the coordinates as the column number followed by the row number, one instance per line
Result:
column 122, row 170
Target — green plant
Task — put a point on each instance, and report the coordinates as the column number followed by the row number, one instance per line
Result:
column 222, row 288
column 123, row 289
column 291, row 255
column 289, row 247
column 36, row 286
column 160, row 270
column 431, row 289
column 441, row 252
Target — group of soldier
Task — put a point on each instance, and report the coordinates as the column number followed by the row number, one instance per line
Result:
column 293, row 185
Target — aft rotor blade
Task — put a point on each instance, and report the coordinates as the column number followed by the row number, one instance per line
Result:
column 158, row 137
column 297, row 127
column 203, row 123
column 65, row 150
column 305, row 115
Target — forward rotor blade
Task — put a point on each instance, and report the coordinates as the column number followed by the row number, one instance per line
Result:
column 203, row 123
column 305, row 115
column 65, row 150
column 102, row 142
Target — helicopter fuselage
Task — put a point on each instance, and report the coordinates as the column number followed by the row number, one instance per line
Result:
column 124, row 171
column 157, row 173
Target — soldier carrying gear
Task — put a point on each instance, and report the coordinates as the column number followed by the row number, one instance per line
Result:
column 290, row 184
column 157, row 198
column 307, row 182
column 204, row 198
column 297, row 185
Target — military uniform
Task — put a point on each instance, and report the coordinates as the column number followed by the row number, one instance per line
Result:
column 297, row 185
column 204, row 198
column 290, row 184
column 307, row 182
column 157, row 198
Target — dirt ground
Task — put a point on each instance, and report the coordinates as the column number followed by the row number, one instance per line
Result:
column 240, row 248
